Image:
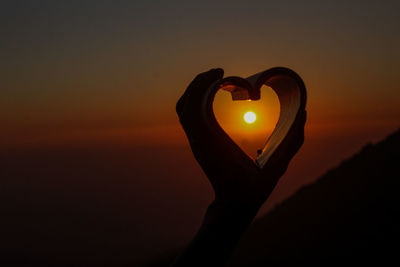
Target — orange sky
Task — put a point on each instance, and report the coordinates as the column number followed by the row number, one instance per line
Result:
column 93, row 73
column 71, row 69
column 88, row 92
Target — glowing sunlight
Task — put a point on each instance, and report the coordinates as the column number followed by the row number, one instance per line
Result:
column 249, row 117
column 248, row 123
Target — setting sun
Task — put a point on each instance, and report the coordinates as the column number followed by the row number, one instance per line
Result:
column 250, row 117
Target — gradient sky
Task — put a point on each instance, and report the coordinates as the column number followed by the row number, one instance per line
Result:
column 86, row 68
column 78, row 77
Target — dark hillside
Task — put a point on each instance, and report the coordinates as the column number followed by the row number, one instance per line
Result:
column 350, row 215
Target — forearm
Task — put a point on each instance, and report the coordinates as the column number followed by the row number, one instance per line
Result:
column 222, row 227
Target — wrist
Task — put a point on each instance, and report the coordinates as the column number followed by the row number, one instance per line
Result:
column 223, row 225
column 238, row 215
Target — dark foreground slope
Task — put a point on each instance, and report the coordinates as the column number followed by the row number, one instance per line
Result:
column 350, row 215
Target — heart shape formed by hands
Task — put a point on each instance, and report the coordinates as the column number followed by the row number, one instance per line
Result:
column 291, row 93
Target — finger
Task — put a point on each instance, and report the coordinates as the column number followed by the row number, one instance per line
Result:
column 190, row 105
column 281, row 158
column 204, row 80
column 295, row 138
column 179, row 105
column 181, row 102
column 199, row 84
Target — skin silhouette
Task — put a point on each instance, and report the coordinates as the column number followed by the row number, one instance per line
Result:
column 240, row 186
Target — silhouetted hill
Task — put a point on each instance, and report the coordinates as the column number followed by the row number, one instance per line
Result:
column 349, row 216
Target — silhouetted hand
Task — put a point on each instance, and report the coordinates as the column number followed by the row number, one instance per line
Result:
column 240, row 185
column 235, row 177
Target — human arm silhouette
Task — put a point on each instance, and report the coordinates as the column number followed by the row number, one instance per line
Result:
column 240, row 186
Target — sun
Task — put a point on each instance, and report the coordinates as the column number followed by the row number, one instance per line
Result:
column 249, row 117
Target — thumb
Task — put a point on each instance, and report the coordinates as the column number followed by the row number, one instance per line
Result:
column 197, row 87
